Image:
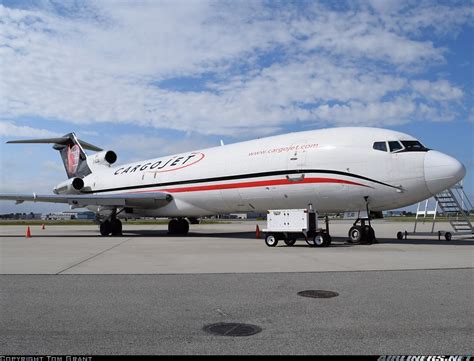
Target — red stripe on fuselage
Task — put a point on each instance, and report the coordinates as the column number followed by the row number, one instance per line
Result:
column 263, row 183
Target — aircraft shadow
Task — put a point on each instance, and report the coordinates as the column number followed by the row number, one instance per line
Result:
column 441, row 242
column 337, row 241
column 340, row 242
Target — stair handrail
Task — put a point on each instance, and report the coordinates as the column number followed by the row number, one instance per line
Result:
column 465, row 201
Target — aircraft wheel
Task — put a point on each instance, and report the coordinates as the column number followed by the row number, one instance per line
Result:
column 448, row 236
column 116, row 227
column 355, row 233
column 105, row 228
column 290, row 241
column 183, row 226
column 178, row 226
column 271, row 240
column 400, row 235
column 369, row 234
column 173, row 226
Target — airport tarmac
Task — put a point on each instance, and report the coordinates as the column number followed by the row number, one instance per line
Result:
column 67, row 290
column 217, row 248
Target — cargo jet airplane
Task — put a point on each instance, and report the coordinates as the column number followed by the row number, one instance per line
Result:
column 336, row 170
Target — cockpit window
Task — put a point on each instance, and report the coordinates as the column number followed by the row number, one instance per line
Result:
column 413, row 146
column 394, row 146
column 380, row 146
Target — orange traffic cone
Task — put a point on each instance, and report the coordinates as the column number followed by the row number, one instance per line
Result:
column 28, row 233
column 42, row 226
column 257, row 232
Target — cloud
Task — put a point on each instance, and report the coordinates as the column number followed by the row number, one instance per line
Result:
column 145, row 147
column 9, row 129
column 398, row 111
column 259, row 67
column 361, row 35
column 440, row 19
column 470, row 117
column 440, row 90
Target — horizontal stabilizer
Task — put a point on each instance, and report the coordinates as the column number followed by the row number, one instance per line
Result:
column 72, row 152
column 59, row 141
column 147, row 200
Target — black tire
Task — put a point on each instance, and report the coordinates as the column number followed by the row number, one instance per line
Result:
column 448, row 236
column 355, row 234
column 183, row 226
column 319, row 240
column 400, row 235
column 178, row 226
column 105, row 228
column 173, row 226
column 116, row 227
column 328, row 238
column 290, row 242
column 369, row 235
column 271, row 240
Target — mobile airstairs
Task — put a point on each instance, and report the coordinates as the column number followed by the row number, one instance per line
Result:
column 455, row 206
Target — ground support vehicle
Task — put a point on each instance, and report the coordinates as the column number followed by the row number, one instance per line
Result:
column 290, row 225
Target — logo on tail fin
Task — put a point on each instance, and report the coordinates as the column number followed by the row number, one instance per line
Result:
column 73, row 154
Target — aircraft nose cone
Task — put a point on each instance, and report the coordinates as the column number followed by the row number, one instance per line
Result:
column 442, row 171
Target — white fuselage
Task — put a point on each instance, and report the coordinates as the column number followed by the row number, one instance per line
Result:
column 334, row 169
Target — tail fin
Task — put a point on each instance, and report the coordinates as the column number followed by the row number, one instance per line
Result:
column 72, row 153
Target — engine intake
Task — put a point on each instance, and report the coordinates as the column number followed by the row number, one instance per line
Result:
column 72, row 185
column 106, row 157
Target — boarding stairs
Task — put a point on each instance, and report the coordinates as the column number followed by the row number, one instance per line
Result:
column 456, row 205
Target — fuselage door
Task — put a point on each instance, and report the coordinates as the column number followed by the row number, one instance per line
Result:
column 289, row 194
column 296, row 161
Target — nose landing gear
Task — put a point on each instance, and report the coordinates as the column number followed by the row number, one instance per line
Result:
column 364, row 234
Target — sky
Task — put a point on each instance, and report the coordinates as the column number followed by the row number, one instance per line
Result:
column 151, row 78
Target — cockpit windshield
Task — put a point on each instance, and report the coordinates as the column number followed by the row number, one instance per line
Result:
column 395, row 146
column 413, row 146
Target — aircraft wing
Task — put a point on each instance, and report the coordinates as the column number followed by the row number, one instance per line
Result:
column 141, row 200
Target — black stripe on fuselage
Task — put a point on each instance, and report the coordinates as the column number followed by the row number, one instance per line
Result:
column 240, row 176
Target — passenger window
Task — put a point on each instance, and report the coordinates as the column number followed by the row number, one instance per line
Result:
column 394, row 146
column 380, row 146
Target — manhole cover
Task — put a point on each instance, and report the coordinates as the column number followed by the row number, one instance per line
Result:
column 232, row 329
column 318, row 294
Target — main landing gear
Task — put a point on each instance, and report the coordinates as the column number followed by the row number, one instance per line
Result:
column 111, row 226
column 364, row 233
column 178, row 226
